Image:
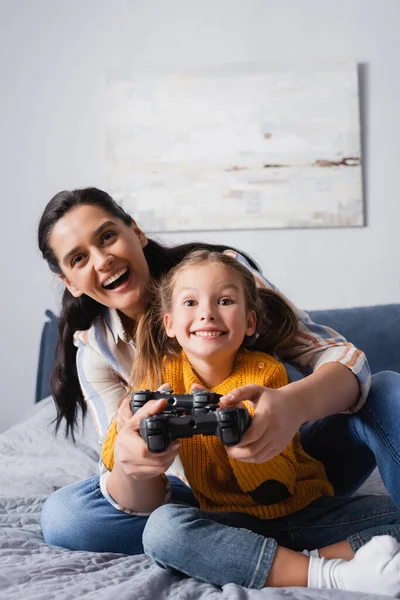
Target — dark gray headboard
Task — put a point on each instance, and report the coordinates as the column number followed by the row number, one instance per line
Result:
column 48, row 343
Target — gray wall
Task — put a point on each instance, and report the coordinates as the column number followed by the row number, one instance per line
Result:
column 52, row 60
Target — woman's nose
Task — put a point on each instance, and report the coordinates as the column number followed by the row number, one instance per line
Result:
column 102, row 260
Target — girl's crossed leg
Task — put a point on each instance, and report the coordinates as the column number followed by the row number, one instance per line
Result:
column 223, row 548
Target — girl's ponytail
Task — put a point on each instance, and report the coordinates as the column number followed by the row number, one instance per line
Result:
column 152, row 346
column 277, row 324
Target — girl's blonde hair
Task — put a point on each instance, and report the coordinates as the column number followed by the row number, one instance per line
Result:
column 276, row 322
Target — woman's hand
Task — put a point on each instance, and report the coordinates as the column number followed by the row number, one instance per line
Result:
column 131, row 452
column 276, row 420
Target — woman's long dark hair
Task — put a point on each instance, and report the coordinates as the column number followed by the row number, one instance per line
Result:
column 79, row 313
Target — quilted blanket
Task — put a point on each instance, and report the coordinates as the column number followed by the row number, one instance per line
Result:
column 32, row 461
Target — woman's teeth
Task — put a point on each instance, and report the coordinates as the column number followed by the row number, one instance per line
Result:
column 114, row 277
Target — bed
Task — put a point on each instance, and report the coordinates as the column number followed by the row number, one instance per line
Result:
column 33, row 461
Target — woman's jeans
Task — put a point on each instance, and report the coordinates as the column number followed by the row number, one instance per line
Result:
column 351, row 446
column 239, row 548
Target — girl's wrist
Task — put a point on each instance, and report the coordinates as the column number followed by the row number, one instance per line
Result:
column 137, row 495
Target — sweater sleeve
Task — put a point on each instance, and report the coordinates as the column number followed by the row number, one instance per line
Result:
column 107, row 453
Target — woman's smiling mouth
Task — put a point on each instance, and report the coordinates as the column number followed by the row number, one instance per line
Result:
column 117, row 279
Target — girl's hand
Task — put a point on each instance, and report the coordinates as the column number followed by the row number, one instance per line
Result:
column 131, row 452
column 198, row 386
column 124, row 412
column 276, row 420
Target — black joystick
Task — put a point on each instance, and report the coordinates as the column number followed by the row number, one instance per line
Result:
column 229, row 424
column 197, row 403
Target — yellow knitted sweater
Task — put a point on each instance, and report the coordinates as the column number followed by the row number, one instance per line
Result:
column 221, row 483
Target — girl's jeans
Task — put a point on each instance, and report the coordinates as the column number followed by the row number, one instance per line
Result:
column 234, row 548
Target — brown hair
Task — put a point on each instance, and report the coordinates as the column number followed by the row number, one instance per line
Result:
column 79, row 313
column 276, row 322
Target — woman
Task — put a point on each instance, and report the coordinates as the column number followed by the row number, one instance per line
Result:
column 105, row 262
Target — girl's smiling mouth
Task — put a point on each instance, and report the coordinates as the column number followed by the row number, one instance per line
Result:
column 208, row 333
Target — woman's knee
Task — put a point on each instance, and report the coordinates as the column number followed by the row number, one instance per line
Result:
column 57, row 518
column 385, row 391
column 78, row 517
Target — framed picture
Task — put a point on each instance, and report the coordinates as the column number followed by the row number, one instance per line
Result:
column 236, row 148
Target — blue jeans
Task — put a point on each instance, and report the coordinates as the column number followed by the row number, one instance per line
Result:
column 78, row 517
column 351, row 446
column 223, row 548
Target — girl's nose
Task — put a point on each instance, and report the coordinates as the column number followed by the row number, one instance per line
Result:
column 207, row 313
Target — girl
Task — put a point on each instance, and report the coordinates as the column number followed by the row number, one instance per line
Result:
column 105, row 262
column 194, row 333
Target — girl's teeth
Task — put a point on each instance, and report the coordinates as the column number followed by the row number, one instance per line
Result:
column 207, row 333
column 115, row 277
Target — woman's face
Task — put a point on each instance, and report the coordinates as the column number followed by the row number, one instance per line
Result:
column 103, row 258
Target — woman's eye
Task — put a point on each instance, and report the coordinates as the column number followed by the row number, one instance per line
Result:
column 108, row 236
column 225, row 301
column 77, row 259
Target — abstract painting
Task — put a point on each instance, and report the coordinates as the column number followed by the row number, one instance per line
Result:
column 236, row 148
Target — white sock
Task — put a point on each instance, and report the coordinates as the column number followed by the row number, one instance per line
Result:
column 311, row 553
column 375, row 568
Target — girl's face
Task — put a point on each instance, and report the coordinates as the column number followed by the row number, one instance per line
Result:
column 208, row 316
column 103, row 258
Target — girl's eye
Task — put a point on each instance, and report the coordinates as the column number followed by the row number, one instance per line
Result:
column 189, row 303
column 225, row 301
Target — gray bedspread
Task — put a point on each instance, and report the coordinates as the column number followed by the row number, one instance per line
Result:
column 32, row 461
